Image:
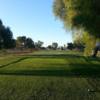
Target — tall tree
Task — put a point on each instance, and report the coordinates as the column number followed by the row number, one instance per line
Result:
column 38, row 44
column 70, row 46
column 24, row 42
column 54, row 45
column 21, row 41
column 79, row 14
column 29, row 43
column 6, row 37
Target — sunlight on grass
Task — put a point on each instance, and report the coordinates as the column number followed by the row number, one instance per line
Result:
column 41, row 76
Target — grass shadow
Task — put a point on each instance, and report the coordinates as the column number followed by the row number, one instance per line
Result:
column 74, row 71
column 56, row 55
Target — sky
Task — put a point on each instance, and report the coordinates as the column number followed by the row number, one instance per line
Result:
column 35, row 19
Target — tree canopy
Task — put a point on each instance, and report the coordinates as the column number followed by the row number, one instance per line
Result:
column 79, row 14
column 6, row 37
column 38, row 44
column 24, row 42
column 54, row 45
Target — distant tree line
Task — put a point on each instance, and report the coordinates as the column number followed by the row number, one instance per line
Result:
column 8, row 42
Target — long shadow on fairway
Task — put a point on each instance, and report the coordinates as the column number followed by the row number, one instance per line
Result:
column 39, row 56
column 79, row 70
column 58, row 56
column 75, row 71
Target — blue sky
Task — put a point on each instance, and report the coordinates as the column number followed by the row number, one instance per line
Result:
column 33, row 18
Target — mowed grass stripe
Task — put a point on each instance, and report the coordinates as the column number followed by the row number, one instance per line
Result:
column 37, row 63
column 58, row 77
column 52, row 66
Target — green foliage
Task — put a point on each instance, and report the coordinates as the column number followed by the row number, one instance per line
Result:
column 79, row 14
column 29, row 43
column 21, row 41
column 70, row 46
column 38, row 44
column 6, row 37
column 54, row 45
column 78, row 41
column 49, row 46
column 90, row 42
column 24, row 42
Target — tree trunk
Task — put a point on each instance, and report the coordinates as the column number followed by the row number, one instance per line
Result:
column 95, row 51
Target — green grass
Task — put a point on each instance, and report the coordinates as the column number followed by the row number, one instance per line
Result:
column 49, row 75
column 57, row 52
column 62, row 65
column 45, row 88
column 6, row 59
